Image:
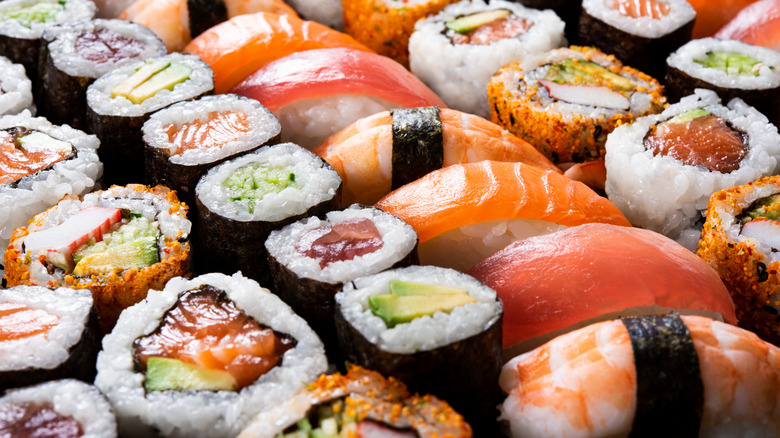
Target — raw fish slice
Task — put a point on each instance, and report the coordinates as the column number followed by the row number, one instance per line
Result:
column 757, row 24
column 642, row 8
column 238, row 47
column 712, row 14
column 361, row 152
column 566, row 279
column 18, row 321
column 219, row 129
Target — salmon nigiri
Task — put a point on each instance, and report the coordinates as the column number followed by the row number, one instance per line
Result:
column 552, row 283
column 238, row 47
column 712, row 14
column 361, row 153
column 757, row 24
column 466, row 212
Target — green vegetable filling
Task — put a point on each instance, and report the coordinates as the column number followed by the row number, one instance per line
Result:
column 688, row 116
column 252, row 183
column 151, row 78
column 467, row 23
column 41, row 12
column 132, row 245
column 163, row 374
column 733, row 63
column 333, row 421
column 579, row 72
column 408, row 301
column 768, row 207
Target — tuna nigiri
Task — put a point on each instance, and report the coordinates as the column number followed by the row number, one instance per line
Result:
column 361, row 153
column 466, row 212
column 757, row 24
column 315, row 93
column 238, row 47
column 552, row 283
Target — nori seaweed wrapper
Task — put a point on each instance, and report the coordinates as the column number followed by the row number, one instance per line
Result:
column 568, row 10
column 205, row 14
column 61, row 98
column 463, row 373
column 670, row 392
column 645, row 54
column 23, row 51
column 81, row 362
column 417, row 144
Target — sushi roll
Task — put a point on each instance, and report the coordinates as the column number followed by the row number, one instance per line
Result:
column 60, row 408
column 731, row 68
column 74, row 55
column 359, row 403
column 739, row 240
column 41, row 163
column 183, row 141
column 412, row 323
column 645, row 376
column 662, row 169
column 386, row 25
column 310, row 260
column 565, row 102
column 242, row 200
column 15, row 89
column 201, row 357
column 119, row 243
column 22, row 23
column 120, row 102
column 316, row 93
column 456, row 51
column 46, row 334
column 640, row 33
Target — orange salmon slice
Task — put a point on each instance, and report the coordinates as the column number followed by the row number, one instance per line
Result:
column 17, row 162
column 641, row 8
column 18, row 321
column 213, row 132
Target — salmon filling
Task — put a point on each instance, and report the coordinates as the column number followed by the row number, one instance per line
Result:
column 215, row 132
column 105, row 45
column 641, row 8
column 706, row 141
column 494, row 31
column 205, row 328
column 18, row 321
column 342, row 241
column 25, row 152
column 38, row 420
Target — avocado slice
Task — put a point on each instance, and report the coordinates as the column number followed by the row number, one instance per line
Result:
column 733, row 63
column 40, row 12
column 581, row 72
column 467, row 23
column 133, row 245
column 688, row 116
column 139, row 77
column 407, row 288
column 38, row 141
column 413, row 300
column 165, row 79
column 164, row 373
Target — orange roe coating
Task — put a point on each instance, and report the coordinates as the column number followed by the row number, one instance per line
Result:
column 563, row 137
column 386, row 25
column 751, row 282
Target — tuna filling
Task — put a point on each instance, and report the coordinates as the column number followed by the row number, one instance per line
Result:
column 105, row 45
column 36, row 420
column 25, row 152
column 342, row 241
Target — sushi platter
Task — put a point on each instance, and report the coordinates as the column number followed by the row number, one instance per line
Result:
column 389, row 218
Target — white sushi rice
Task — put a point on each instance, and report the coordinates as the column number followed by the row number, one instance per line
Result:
column 327, row 12
column 74, row 11
column 460, row 73
column 426, row 332
column 62, row 46
column 262, row 127
column 398, row 239
column 663, row 194
column 50, row 349
column 200, row 81
column 768, row 70
column 15, row 89
column 209, row 414
column 317, row 180
column 71, row 398
column 680, row 13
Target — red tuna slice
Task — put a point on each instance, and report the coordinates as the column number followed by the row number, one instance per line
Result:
column 58, row 243
column 593, row 95
column 328, row 72
column 555, row 283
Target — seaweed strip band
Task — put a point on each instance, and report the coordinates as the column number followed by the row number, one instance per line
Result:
column 417, row 143
column 670, row 393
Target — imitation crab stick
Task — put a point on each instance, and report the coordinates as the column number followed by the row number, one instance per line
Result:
column 238, row 47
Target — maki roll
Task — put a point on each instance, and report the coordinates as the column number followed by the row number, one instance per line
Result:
column 242, row 200
column 57, row 409
column 119, row 243
column 360, row 403
column 186, row 139
column 739, row 240
column 22, row 23
column 641, row 33
column 120, row 102
column 46, row 334
column 456, row 51
column 40, row 164
column 662, row 169
column 565, row 102
column 731, row 68
column 201, row 357
column 310, row 260
column 74, row 55
column 414, row 322
column 15, row 88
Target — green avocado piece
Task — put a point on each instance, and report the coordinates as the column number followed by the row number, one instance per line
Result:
column 407, row 288
column 580, row 72
column 467, row 23
column 133, row 245
column 768, row 207
column 40, row 12
column 139, row 77
column 398, row 309
column 733, row 63
column 688, row 116
column 165, row 79
column 163, row 374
